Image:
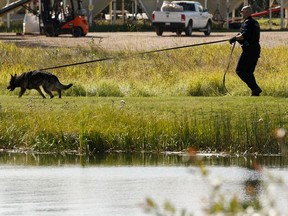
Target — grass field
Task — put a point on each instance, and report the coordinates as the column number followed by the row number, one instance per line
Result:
column 158, row 102
column 90, row 124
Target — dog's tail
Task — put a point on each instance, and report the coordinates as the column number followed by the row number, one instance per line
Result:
column 64, row 87
column 59, row 85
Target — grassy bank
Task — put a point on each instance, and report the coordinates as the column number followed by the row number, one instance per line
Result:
column 197, row 71
column 157, row 112
column 91, row 124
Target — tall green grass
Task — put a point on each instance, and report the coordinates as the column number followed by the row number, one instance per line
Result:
column 156, row 115
column 196, row 71
column 90, row 125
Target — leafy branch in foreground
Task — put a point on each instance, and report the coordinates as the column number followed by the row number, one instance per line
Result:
column 259, row 195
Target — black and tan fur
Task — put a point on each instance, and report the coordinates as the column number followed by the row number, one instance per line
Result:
column 35, row 79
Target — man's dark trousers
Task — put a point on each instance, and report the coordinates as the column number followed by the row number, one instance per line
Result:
column 247, row 63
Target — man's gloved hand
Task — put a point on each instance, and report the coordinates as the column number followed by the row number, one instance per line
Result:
column 232, row 40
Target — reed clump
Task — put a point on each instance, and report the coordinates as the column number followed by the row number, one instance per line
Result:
column 90, row 125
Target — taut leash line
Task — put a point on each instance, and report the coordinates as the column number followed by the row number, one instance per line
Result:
column 141, row 53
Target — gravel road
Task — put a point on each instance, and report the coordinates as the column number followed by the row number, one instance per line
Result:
column 138, row 41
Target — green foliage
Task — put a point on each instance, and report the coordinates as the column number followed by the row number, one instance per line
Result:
column 173, row 73
column 265, row 23
column 131, row 26
column 207, row 123
column 76, row 90
column 106, row 89
column 150, row 207
column 90, row 125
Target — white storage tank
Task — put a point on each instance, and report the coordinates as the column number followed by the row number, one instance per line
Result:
column 31, row 24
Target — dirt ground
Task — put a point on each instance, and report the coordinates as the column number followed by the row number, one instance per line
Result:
column 137, row 41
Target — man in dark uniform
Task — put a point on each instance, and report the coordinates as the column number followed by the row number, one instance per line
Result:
column 249, row 39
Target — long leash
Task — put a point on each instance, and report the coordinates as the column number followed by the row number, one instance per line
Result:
column 155, row 51
column 141, row 53
column 228, row 66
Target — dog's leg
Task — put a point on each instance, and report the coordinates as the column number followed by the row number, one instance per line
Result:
column 59, row 92
column 22, row 91
column 40, row 92
column 48, row 92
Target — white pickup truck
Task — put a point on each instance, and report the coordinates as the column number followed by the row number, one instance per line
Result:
column 179, row 16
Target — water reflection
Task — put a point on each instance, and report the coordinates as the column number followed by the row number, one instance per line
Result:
column 140, row 159
column 116, row 183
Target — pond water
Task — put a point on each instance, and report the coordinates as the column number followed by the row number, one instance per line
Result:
column 118, row 184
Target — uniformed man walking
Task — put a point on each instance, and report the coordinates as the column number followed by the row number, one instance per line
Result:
column 249, row 39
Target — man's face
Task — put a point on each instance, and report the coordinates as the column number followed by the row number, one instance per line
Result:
column 245, row 13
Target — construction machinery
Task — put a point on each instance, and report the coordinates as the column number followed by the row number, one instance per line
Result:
column 56, row 16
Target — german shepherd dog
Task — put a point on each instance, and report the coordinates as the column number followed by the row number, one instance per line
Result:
column 35, row 79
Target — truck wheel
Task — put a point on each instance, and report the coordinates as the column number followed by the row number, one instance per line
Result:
column 188, row 31
column 208, row 27
column 178, row 32
column 77, row 32
column 159, row 31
